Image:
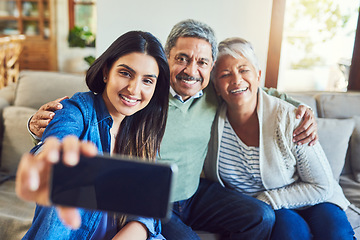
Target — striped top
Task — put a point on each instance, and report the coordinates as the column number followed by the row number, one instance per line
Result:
column 239, row 166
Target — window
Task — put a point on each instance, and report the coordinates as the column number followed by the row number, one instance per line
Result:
column 82, row 13
column 312, row 44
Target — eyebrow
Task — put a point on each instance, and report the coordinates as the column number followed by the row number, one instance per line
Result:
column 187, row 56
column 244, row 65
column 227, row 69
column 205, row 59
column 182, row 55
column 133, row 71
column 127, row 67
column 151, row 76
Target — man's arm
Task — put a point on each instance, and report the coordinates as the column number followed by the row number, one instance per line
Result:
column 306, row 131
column 39, row 121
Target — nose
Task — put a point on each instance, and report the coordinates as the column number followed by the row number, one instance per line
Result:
column 134, row 86
column 236, row 79
column 191, row 69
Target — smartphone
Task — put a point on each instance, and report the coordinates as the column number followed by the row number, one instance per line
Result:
column 114, row 184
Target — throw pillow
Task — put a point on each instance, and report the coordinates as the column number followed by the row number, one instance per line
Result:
column 16, row 140
column 355, row 149
column 334, row 136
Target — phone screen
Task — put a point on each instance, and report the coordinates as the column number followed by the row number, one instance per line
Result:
column 114, row 184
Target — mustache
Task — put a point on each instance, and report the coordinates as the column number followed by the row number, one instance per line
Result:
column 187, row 77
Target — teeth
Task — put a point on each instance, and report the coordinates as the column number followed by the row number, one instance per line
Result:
column 128, row 99
column 239, row 90
column 190, row 81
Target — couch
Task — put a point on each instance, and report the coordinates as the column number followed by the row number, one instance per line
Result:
column 338, row 124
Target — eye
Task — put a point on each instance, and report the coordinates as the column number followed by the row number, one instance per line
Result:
column 148, row 81
column 181, row 59
column 125, row 74
column 244, row 71
column 224, row 75
column 203, row 63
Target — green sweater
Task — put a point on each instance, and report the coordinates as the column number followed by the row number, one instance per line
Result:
column 186, row 139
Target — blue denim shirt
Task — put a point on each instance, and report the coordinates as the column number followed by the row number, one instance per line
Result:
column 85, row 116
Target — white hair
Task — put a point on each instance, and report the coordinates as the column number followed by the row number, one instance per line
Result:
column 239, row 48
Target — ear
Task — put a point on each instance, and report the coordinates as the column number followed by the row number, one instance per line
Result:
column 105, row 74
column 212, row 65
column 259, row 75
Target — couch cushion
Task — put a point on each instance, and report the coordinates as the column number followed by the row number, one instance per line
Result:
column 15, row 215
column 16, row 140
column 35, row 88
column 338, row 105
column 355, row 149
column 334, row 137
column 353, row 214
column 350, row 188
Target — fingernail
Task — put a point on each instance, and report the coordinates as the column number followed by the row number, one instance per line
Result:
column 71, row 158
column 34, row 180
column 59, row 106
column 53, row 156
column 52, row 115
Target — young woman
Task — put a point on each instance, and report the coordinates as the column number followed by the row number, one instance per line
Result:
column 253, row 152
column 125, row 112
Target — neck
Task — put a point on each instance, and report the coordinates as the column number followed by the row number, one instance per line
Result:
column 242, row 114
column 244, row 120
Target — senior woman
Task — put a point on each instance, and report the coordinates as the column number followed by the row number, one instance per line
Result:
column 252, row 152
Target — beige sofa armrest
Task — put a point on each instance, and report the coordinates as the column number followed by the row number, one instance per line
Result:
column 7, row 98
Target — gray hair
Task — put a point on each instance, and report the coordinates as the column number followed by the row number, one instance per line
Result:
column 238, row 48
column 191, row 28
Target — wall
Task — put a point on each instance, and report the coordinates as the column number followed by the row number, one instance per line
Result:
column 242, row 18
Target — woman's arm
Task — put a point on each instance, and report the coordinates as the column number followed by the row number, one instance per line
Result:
column 132, row 231
column 151, row 226
column 315, row 183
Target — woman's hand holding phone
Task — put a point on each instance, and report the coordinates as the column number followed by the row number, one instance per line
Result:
column 33, row 174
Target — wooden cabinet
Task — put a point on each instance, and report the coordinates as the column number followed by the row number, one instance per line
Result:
column 35, row 19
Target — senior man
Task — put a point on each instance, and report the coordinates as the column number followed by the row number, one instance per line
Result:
column 198, row 203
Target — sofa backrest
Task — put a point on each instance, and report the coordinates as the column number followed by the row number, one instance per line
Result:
column 338, row 105
column 34, row 88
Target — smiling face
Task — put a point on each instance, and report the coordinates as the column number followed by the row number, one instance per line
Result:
column 130, row 84
column 237, row 81
column 190, row 62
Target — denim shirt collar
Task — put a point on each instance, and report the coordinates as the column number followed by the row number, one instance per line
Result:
column 101, row 110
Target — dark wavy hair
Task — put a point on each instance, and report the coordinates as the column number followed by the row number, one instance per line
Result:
column 140, row 134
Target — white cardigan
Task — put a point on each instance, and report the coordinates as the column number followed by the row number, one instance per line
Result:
column 292, row 182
